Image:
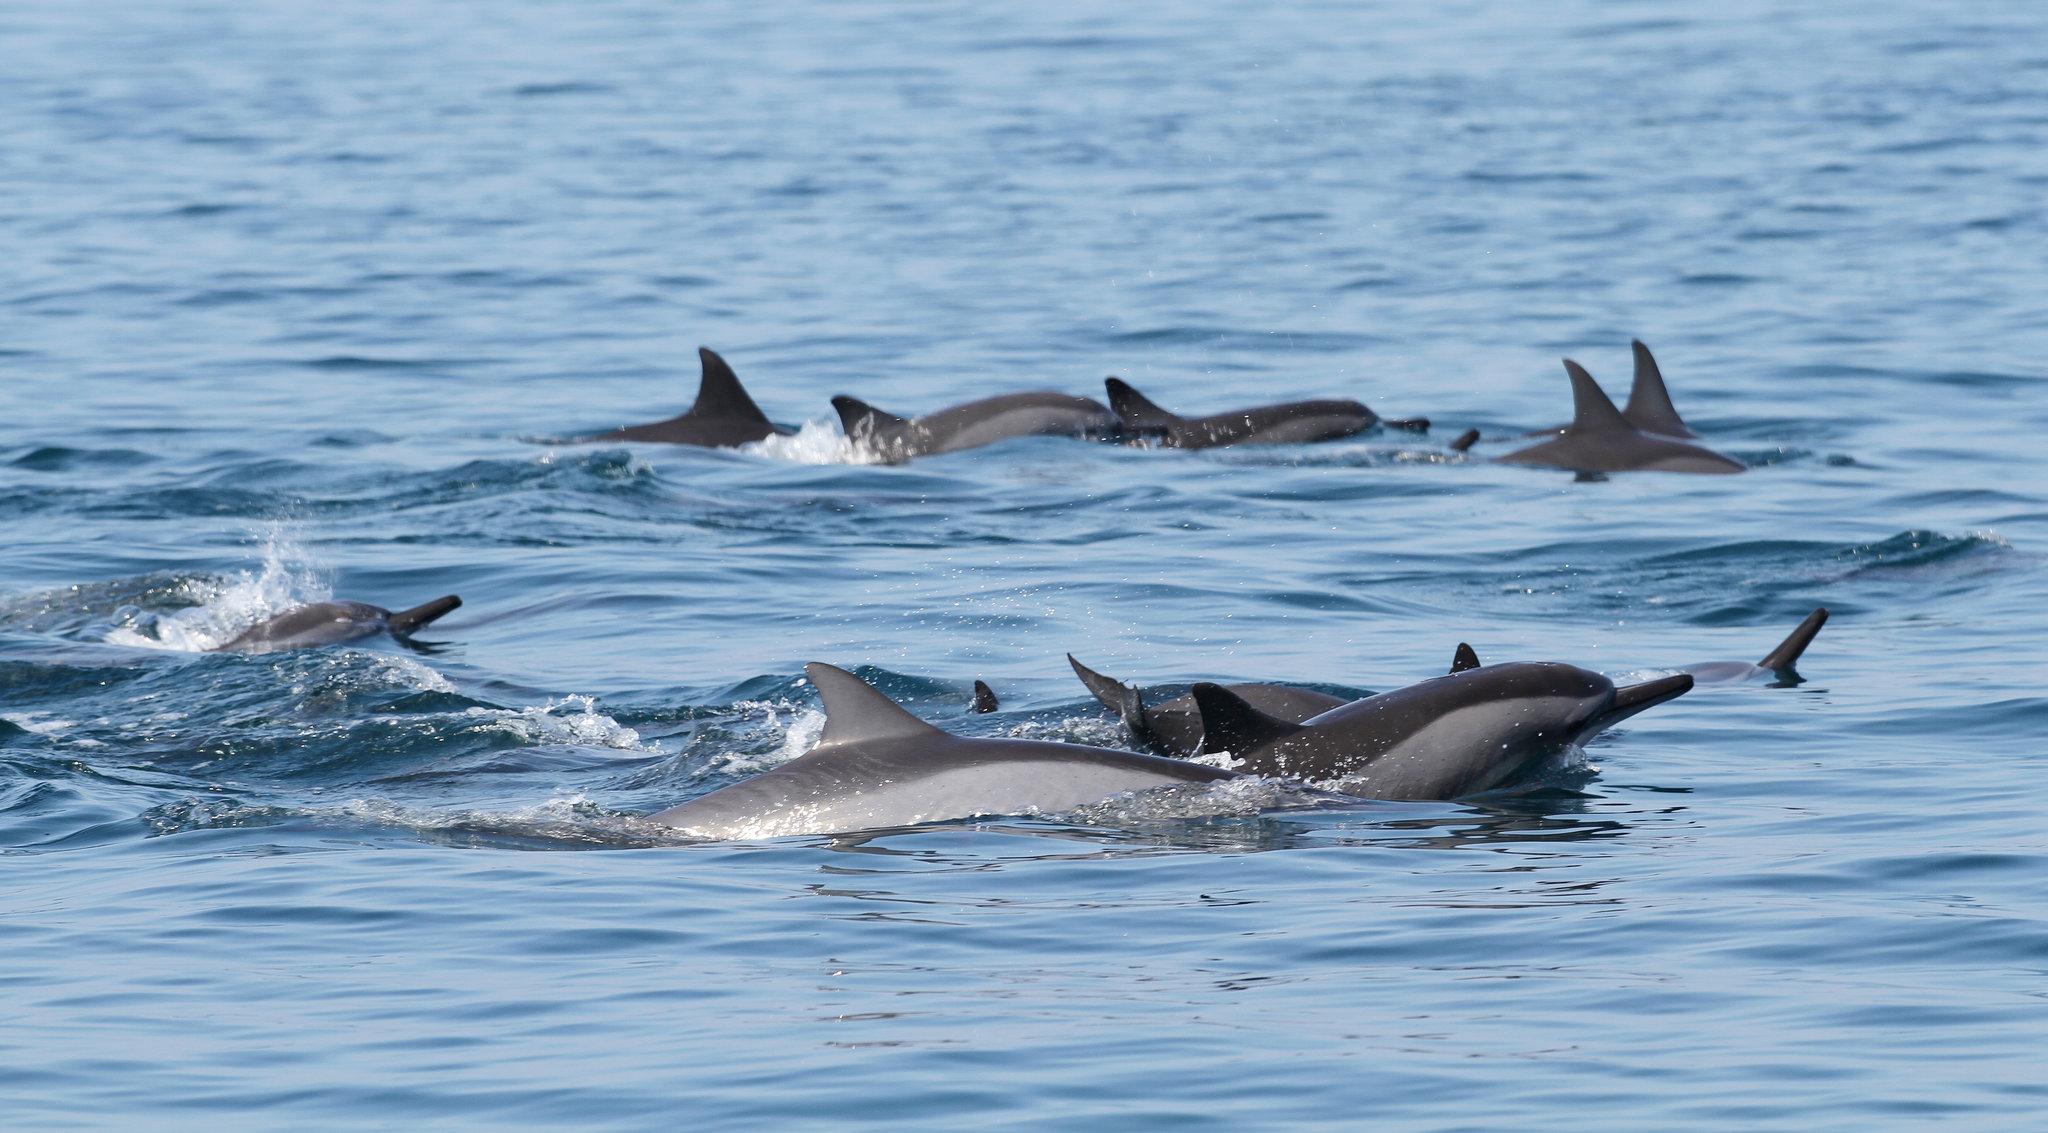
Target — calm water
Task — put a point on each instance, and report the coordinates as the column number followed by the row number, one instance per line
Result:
column 300, row 300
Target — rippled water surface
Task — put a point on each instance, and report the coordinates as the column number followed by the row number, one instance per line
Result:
column 311, row 300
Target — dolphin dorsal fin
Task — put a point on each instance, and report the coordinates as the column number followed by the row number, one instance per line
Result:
column 720, row 394
column 1465, row 658
column 1787, row 653
column 1230, row 724
column 1592, row 411
column 859, row 419
column 1649, row 403
column 1134, row 408
column 855, row 711
column 985, row 697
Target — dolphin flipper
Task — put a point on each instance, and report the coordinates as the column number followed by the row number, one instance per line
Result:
column 1649, row 402
column 985, row 697
column 1465, row 658
column 855, row 711
column 1134, row 409
column 1229, row 724
column 406, row 621
column 1786, row 655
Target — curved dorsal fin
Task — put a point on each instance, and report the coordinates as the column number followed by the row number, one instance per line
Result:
column 1465, row 658
column 720, row 394
column 855, row 711
column 1649, row 403
column 1591, row 409
column 1230, row 724
column 985, row 697
column 1465, row 440
column 1787, row 653
column 859, row 419
column 1134, row 408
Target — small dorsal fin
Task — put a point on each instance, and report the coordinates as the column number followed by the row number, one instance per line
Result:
column 1230, row 724
column 1649, row 403
column 1134, row 409
column 856, row 711
column 985, row 697
column 1465, row 658
column 720, row 394
column 1465, row 440
column 1787, row 653
column 859, row 419
column 1591, row 409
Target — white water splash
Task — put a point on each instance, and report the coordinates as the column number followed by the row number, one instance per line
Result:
column 570, row 720
column 817, row 442
column 403, row 672
column 800, row 725
column 225, row 607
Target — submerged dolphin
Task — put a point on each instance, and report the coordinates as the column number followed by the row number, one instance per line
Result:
column 1174, row 727
column 331, row 623
column 1600, row 439
column 1780, row 661
column 1649, row 401
column 1288, row 422
column 1461, row 734
column 972, row 424
column 723, row 416
column 876, row 766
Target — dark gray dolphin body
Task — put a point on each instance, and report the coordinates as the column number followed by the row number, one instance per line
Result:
column 878, row 766
column 1780, row 662
column 1174, row 727
column 723, row 416
column 972, row 424
column 1600, row 439
column 1290, row 422
column 331, row 623
column 1461, row 734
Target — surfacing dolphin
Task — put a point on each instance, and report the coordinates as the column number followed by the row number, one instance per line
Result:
column 972, row 424
column 1781, row 662
column 878, row 766
column 332, row 623
column 723, row 416
column 1600, row 439
column 1174, row 727
column 1288, row 422
column 1461, row 734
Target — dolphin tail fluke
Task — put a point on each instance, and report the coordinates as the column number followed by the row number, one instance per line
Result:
column 406, row 621
column 855, row 710
column 1134, row 409
column 1464, row 658
column 720, row 394
column 1118, row 697
column 859, row 419
column 985, row 697
column 1786, row 655
column 1592, row 410
column 1465, row 440
column 1649, row 402
column 1231, row 724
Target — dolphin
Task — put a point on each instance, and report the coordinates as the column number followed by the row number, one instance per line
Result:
column 331, row 623
column 985, row 698
column 1780, row 661
column 1461, row 734
column 1600, row 439
column 1289, row 422
column 723, row 416
column 1174, row 727
column 1649, row 402
column 972, row 424
column 878, row 766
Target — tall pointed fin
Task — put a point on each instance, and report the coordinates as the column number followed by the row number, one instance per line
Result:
column 1134, row 409
column 1649, row 403
column 1591, row 409
column 855, row 711
column 1787, row 653
column 1230, row 724
column 1465, row 658
column 1107, row 689
column 720, row 394
column 985, row 698
column 406, row 621
column 1465, row 440
column 859, row 419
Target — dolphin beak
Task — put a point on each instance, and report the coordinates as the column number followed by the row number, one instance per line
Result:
column 1631, row 699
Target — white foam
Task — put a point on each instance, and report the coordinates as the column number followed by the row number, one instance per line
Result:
column 570, row 720
column 404, row 672
column 224, row 607
column 818, row 441
column 800, row 724
column 40, row 724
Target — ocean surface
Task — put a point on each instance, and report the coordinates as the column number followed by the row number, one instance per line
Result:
column 312, row 300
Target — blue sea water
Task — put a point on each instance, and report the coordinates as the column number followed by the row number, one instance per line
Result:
column 306, row 300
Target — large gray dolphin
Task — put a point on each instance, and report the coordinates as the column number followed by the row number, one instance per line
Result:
column 331, row 623
column 723, row 416
column 972, row 424
column 1649, row 405
column 1174, row 727
column 1600, row 439
column 1288, row 422
column 1444, row 738
column 1780, row 662
column 878, row 766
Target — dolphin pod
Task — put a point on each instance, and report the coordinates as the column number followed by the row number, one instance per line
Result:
column 333, row 623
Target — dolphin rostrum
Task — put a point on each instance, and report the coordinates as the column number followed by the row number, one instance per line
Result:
column 1600, row 439
column 331, row 623
column 723, row 416
column 1289, row 422
column 972, row 424
column 1470, row 731
column 878, row 766
column 1781, row 661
